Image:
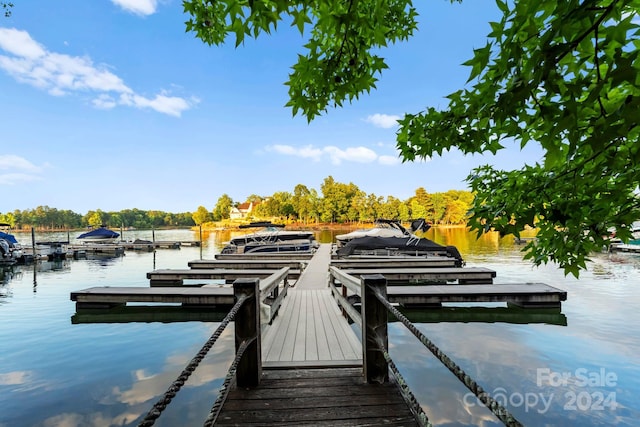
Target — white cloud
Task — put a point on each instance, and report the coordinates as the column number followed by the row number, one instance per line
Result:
column 353, row 154
column 15, row 169
column 104, row 102
column 11, row 161
column 385, row 121
column 334, row 154
column 139, row 7
column 307, row 152
column 61, row 74
column 389, row 160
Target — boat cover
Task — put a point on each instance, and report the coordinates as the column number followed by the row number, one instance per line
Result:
column 8, row 237
column 100, row 233
column 401, row 243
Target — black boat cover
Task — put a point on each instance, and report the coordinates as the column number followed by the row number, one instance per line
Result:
column 408, row 244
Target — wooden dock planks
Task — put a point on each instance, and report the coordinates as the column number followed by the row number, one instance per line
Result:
column 318, row 397
column 309, row 331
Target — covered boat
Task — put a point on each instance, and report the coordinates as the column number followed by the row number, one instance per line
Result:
column 384, row 228
column 99, row 235
column 271, row 238
column 10, row 249
column 400, row 243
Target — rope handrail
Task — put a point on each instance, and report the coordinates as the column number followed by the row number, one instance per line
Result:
column 493, row 405
column 226, row 385
column 408, row 396
column 174, row 388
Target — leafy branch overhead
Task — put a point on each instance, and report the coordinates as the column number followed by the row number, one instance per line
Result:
column 6, row 7
column 339, row 63
column 561, row 75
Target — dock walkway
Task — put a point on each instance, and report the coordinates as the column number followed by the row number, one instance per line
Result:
column 312, row 361
column 309, row 330
column 316, row 397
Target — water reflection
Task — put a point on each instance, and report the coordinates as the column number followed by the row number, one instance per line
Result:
column 479, row 314
column 108, row 368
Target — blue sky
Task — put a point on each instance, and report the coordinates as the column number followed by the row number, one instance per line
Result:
column 112, row 105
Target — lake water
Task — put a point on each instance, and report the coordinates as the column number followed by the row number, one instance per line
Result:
column 579, row 367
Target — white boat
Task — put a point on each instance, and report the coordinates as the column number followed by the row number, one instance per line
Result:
column 271, row 238
column 52, row 250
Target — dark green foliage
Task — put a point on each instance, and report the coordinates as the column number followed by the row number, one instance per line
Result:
column 563, row 75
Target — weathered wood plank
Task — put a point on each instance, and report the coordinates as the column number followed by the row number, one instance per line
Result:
column 316, row 397
column 299, row 343
column 345, row 337
column 322, row 342
column 273, row 339
column 286, row 353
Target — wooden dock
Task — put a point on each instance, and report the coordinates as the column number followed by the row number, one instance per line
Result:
column 176, row 277
column 316, row 397
column 431, row 274
column 295, row 264
column 104, row 297
column 312, row 361
column 624, row 247
column 523, row 295
column 307, row 364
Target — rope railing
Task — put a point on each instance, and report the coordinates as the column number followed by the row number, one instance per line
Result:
column 419, row 414
column 493, row 405
column 226, row 386
column 167, row 397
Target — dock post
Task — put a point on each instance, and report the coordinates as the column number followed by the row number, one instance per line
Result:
column 247, row 326
column 33, row 242
column 374, row 329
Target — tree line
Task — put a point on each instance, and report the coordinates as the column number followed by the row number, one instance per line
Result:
column 335, row 203
column 343, row 203
column 46, row 218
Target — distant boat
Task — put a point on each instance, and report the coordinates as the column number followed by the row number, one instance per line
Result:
column 99, row 235
column 271, row 238
column 10, row 249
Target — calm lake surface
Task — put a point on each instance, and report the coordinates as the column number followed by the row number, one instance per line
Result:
column 577, row 367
